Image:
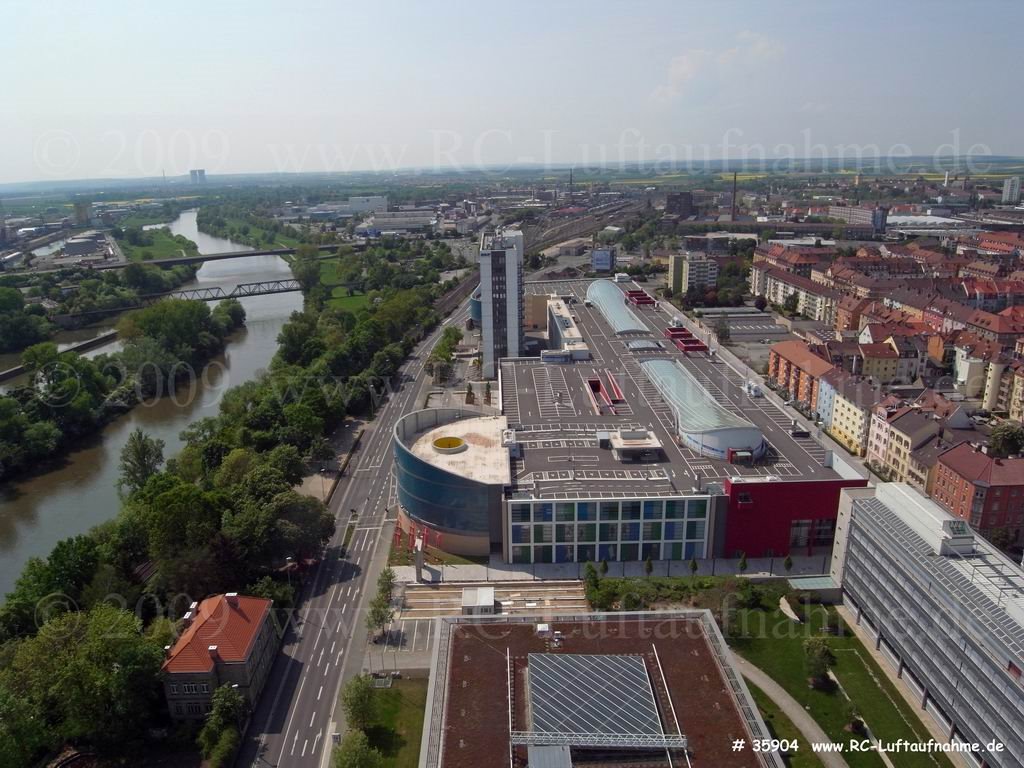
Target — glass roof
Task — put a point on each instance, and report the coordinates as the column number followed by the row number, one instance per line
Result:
column 612, row 303
column 694, row 407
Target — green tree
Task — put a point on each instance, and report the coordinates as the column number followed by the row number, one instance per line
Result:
column 228, row 713
column 693, row 569
column 788, row 563
column 93, row 673
column 791, row 303
column 386, row 582
column 1007, row 438
column 602, row 567
column 818, row 660
column 355, row 752
column 306, row 266
column 379, row 614
column 141, row 458
column 590, row 577
column 358, row 702
column 760, row 303
column 722, row 330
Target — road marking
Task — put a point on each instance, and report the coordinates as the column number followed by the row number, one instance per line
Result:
column 332, row 648
column 304, row 745
column 288, row 725
column 343, row 613
column 321, row 657
column 318, row 694
column 317, row 739
column 311, row 719
column 294, row 741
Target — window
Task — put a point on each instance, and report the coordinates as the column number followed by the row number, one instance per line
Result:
column 520, row 513
column 565, row 513
column 695, row 529
column 194, row 709
column 631, row 510
column 653, row 510
column 609, row 510
column 178, row 709
column 542, row 513
column 174, row 689
column 675, row 509
column 205, row 688
column 609, row 532
column 586, row 510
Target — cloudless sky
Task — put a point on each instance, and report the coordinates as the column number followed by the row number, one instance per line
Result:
column 111, row 88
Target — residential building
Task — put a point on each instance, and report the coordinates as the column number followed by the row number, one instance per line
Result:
column 795, row 368
column 879, row 362
column 943, row 607
column 692, row 270
column 815, row 301
column 501, row 298
column 896, row 431
column 226, row 640
column 851, row 414
column 982, row 489
column 1011, row 190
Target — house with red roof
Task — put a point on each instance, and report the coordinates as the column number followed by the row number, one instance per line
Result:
column 984, row 490
column 226, row 640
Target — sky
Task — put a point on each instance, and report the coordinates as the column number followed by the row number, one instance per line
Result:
column 112, row 89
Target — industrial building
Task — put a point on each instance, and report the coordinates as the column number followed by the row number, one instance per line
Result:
column 944, row 607
column 647, row 447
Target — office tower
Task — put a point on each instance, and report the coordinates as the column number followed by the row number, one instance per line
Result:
column 501, row 295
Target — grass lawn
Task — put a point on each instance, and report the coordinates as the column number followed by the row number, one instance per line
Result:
column 164, row 247
column 341, row 300
column 774, row 643
column 781, row 727
column 261, row 236
column 398, row 725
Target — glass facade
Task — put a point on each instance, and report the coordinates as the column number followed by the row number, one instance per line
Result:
column 620, row 529
column 444, row 500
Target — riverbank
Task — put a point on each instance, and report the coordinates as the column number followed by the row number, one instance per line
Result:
column 37, row 511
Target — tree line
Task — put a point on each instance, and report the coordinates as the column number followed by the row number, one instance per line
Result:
column 221, row 516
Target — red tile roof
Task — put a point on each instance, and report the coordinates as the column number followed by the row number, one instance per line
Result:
column 230, row 623
column 977, row 467
column 800, row 355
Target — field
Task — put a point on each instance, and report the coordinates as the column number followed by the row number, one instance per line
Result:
column 775, row 644
column 398, row 722
column 340, row 298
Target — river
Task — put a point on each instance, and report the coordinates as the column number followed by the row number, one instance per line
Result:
column 38, row 512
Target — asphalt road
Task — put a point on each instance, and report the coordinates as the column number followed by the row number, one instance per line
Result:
column 327, row 644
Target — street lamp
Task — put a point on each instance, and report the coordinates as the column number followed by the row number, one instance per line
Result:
column 323, row 494
column 288, row 567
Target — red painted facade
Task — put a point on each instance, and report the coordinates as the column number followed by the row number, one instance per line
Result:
column 761, row 516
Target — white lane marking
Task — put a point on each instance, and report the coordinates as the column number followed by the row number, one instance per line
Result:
column 304, row 745
column 319, row 693
column 311, row 719
column 320, row 658
column 332, row 648
column 343, row 610
column 294, row 741
column 317, row 739
column 288, row 725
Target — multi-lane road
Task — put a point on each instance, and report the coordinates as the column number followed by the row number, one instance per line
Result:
column 327, row 642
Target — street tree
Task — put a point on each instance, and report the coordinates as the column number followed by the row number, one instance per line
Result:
column 357, row 701
column 355, row 752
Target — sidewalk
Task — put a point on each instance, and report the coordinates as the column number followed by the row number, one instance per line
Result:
column 791, row 708
column 321, row 483
column 496, row 570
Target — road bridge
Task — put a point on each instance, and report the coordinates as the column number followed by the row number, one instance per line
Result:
column 199, row 258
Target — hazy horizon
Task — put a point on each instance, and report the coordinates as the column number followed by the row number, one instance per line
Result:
column 118, row 90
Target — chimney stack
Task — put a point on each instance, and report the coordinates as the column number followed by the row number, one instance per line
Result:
column 232, row 598
column 214, row 653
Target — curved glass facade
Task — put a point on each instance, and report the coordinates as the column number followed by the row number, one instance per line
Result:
column 476, row 307
column 611, row 301
column 439, row 498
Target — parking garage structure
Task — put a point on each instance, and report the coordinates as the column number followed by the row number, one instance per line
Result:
column 451, row 468
column 701, row 423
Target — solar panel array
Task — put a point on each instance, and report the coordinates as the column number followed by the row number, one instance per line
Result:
column 577, row 693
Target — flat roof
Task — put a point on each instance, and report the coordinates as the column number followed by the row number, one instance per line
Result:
column 483, row 459
column 556, row 425
column 481, row 680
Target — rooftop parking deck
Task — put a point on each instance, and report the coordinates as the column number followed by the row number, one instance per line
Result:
column 558, row 410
